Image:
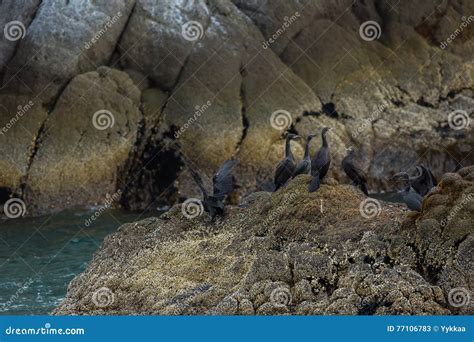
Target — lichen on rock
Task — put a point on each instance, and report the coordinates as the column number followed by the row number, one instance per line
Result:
column 291, row 252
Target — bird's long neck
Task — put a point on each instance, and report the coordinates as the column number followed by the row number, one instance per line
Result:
column 288, row 148
column 306, row 150
column 325, row 141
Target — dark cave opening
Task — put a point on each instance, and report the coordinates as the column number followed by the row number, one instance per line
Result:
column 149, row 181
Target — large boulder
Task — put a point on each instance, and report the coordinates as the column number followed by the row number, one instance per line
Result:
column 333, row 251
column 84, row 147
column 224, row 79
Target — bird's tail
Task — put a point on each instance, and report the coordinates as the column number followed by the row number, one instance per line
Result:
column 363, row 187
column 315, row 183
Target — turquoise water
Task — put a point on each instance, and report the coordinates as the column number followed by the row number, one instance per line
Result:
column 40, row 256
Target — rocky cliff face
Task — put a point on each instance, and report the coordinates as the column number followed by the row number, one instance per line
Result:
column 291, row 252
column 204, row 81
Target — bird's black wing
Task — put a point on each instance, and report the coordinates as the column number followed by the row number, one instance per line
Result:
column 283, row 172
column 433, row 178
column 223, row 181
column 302, row 168
column 315, row 183
column 197, row 178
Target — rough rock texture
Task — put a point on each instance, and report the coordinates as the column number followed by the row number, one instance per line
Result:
column 291, row 252
column 389, row 97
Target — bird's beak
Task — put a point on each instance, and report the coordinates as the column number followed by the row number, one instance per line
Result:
column 349, row 148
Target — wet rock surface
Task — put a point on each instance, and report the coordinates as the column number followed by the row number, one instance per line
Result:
column 291, row 252
column 389, row 97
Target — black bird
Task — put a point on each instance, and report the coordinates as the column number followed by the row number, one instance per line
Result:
column 223, row 185
column 285, row 168
column 320, row 163
column 304, row 166
column 423, row 182
column 412, row 199
column 354, row 171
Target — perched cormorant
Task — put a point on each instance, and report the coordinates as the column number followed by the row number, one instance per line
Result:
column 354, row 171
column 412, row 199
column 223, row 185
column 423, row 182
column 320, row 163
column 304, row 166
column 285, row 168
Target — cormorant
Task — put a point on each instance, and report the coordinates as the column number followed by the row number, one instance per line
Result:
column 422, row 183
column 304, row 166
column 285, row 168
column 425, row 180
column 320, row 163
column 412, row 199
column 354, row 171
column 223, row 185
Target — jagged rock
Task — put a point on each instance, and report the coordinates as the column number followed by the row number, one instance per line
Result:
column 84, row 148
column 212, row 93
column 285, row 254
